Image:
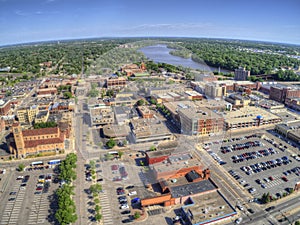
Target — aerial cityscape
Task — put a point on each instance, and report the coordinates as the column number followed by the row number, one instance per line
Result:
column 162, row 112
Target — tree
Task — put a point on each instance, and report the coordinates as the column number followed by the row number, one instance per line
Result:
column 108, row 156
column 152, row 101
column 67, row 95
column 125, row 142
column 93, row 164
column 21, row 167
column 152, row 148
column 111, row 143
column 120, row 153
column 110, row 93
column 98, row 217
column 44, row 125
column 97, row 201
column 140, row 102
column 297, row 222
column 137, row 215
column 95, row 188
column 97, row 208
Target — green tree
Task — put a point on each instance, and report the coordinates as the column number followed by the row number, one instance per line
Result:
column 140, row 102
column 92, row 164
column 152, row 148
column 97, row 208
column 95, row 188
column 97, row 201
column 21, row 167
column 44, row 125
column 297, row 222
column 98, row 217
column 152, row 101
column 110, row 93
column 111, row 143
column 137, row 215
column 67, row 95
column 120, row 154
column 125, row 142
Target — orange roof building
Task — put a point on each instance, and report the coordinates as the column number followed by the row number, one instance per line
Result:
column 31, row 142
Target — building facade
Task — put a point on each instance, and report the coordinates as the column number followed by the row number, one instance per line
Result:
column 32, row 142
column 241, row 74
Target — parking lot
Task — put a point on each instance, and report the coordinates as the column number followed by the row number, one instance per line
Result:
column 28, row 198
column 121, row 181
column 259, row 164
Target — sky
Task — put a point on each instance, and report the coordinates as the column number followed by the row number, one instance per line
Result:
column 23, row 21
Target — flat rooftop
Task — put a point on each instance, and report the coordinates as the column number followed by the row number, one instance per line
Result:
column 287, row 116
column 208, row 207
column 149, row 127
column 248, row 114
column 112, row 130
column 166, row 166
column 159, row 153
column 199, row 113
column 192, row 188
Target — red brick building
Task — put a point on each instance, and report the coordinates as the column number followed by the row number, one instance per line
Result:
column 4, row 107
column 145, row 112
column 280, row 93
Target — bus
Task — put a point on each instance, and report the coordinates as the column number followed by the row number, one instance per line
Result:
column 54, row 162
column 38, row 163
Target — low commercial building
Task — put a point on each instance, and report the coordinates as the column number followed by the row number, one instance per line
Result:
column 209, row 208
column 149, row 130
column 42, row 116
column 194, row 95
column 293, row 103
column 145, row 112
column 46, row 92
column 116, row 131
column 238, row 101
column 101, row 115
column 249, row 117
column 123, row 101
column 289, row 130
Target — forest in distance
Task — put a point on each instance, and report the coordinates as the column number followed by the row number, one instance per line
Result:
column 75, row 56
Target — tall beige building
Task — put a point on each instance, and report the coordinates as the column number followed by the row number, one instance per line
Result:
column 215, row 90
column 241, row 74
column 27, row 115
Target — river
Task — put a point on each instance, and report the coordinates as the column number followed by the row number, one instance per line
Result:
column 161, row 53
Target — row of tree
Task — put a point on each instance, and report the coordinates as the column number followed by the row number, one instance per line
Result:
column 228, row 55
column 66, row 212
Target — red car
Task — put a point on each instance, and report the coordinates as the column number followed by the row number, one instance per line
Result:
column 39, row 188
column 285, row 179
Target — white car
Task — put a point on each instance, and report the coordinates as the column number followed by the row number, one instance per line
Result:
column 132, row 193
column 239, row 220
column 240, row 207
column 124, row 207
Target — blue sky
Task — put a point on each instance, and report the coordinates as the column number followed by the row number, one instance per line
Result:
column 38, row 20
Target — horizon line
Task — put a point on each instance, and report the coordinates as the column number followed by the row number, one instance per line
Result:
column 151, row 37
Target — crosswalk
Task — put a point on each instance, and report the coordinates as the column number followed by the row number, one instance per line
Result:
column 106, row 209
